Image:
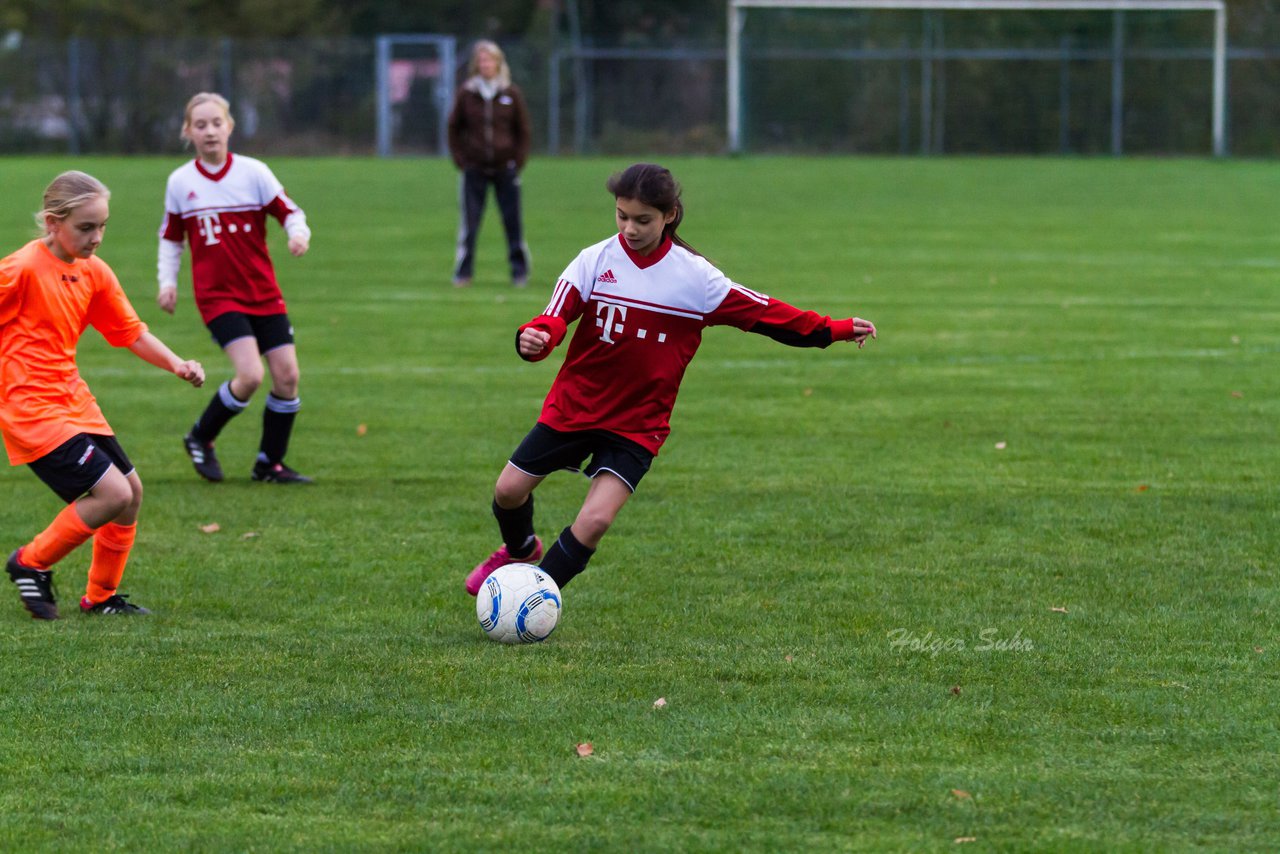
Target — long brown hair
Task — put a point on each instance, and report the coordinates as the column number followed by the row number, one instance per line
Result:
column 655, row 186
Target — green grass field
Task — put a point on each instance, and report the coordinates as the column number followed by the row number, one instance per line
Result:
column 1008, row 575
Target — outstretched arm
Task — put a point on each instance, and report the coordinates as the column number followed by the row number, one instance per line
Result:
column 151, row 349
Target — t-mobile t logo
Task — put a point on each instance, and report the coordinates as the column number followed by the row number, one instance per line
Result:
column 611, row 321
column 210, row 228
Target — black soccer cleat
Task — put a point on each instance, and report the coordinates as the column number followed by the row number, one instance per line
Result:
column 277, row 473
column 35, row 586
column 116, row 605
column 203, row 458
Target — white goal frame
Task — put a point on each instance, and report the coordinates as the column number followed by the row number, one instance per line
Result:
column 737, row 15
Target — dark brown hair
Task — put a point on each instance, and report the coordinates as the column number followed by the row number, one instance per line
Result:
column 655, row 186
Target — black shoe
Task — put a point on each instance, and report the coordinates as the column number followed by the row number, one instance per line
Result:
column 277, row 473
column 203, row 458
column 118, row 604
column 35, row 586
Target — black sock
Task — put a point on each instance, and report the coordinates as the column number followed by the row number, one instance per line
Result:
column 566, row 558
column 220, row 410
column 277, row 425
column 516, row 526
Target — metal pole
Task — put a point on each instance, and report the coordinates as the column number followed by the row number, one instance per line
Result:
column 553, row 105
column 224, row 69
column 1064, row 98
column 444, row 92
column 1220, row 81
column 1117, row 83
column 382, row 62
column 734, row 78
column 926, row 87
column 73, row 95
column 904, row 98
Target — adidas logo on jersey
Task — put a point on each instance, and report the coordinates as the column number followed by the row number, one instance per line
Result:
column 607, row 278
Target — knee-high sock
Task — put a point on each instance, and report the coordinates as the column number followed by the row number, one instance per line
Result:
column 277, row 425
column 566, row 558
column 65, row 533
column 516, row 526
column 111, row 546
column 220, row 410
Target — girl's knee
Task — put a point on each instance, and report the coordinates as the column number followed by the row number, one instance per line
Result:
column 247, row 382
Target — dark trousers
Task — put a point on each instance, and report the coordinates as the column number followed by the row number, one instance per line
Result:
column 474, row 188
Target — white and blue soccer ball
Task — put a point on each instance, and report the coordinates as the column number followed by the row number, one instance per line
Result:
column 518, row 603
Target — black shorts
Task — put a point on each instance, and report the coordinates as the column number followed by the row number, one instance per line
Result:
column 545, row 450
column 270, row 330
column 75, row 467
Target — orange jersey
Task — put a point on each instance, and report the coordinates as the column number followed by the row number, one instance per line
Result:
column 45, row 306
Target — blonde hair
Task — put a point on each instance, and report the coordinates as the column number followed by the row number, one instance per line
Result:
column 485, row 46
column 67, row 192
column 204, row 98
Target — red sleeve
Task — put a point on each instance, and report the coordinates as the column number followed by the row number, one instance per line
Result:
column 778, row 320
column 564, row 308
column 280, row 208
column 173, row 229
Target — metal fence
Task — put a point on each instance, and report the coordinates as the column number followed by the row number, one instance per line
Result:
column 845, row 95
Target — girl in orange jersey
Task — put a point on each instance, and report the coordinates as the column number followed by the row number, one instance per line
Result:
column 50, row 291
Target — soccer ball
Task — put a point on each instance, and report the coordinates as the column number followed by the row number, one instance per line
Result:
column 518, row 603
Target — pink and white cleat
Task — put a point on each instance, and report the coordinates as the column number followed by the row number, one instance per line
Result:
column 502, row 557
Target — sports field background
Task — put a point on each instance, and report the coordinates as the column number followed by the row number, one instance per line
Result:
column 1007, row 575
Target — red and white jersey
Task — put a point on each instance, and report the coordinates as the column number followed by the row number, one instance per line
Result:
column 642, row 318
column 223, row 215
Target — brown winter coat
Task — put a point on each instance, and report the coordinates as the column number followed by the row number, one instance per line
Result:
column 489, row 135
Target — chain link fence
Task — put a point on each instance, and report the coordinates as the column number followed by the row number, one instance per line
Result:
column 842, row 87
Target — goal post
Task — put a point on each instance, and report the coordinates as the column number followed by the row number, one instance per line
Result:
column 737, row 15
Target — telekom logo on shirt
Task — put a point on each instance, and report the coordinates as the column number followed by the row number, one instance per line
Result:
column 610, row 323
column 210, row 228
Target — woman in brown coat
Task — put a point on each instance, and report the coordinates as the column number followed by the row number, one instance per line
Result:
column 489, row 140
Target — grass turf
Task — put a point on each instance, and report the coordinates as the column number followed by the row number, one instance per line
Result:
column 1007, row 575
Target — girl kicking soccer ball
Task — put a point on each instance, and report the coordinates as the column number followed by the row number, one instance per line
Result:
column 50, row 290
column 644, row 296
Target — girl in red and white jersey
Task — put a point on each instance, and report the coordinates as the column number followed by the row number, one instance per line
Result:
column 219, row 203
column 643, row 298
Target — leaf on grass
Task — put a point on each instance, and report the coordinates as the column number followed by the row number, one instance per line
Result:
column 1235, row 339
column 660, row 702
column 788, row 657
column 211, row 528
column 960, row 840
column 361, row 429
column 1142, row 487
column 1257, row 649
column 248, row 535
column 961, row 795
column 1000, row 446
column 585, row 749
column 808, row 392
column 1237, row 394
column 955, row 689
column 1058, row 609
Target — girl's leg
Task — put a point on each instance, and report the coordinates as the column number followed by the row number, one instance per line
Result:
column 77, row 521
column 570, row 553
column 513, row 508
column 228, row 401
column 112, row 543
column 282, row 404
column 232, row 396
